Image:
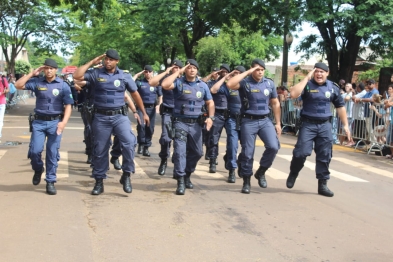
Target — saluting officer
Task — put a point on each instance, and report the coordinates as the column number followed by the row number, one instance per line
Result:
column 149, row 96
column 317, row 94
column 232, row 123
column 256, row 92
column 190, row 95
column 221, row 111
column 166, row 111
column 110, row 116
column 52, row 111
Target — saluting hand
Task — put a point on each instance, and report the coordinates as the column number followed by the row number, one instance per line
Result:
column 37, row 71
column 181, row 71
column 98, row 59
column 310, row 74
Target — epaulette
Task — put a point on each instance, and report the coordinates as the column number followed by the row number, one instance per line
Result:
column 126, row 71
column 334, row 83
column 269, row 78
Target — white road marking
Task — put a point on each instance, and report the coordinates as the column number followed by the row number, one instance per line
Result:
column 204, row 171
column 271, row 172
column 62, row 169
column 333, row 173
column 359, row 165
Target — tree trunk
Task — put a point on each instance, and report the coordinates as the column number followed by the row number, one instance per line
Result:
column 348, row 58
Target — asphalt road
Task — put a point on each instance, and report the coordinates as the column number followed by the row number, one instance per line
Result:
column 212, row 222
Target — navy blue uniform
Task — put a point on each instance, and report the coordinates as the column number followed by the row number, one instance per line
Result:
column 255, row 121
column 189, row 99
column 221, row 107
column 149, row 96
column 110, row 118
column 167, row 110
column 316, row 127
column 232, row 126
column 86, row 97
column 50, row 100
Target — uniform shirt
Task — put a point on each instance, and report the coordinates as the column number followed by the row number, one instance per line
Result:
column 259, row 105
column 178, row 91
column 148, row 93
column 109, row 82
column 54, row 97
column 233, row 98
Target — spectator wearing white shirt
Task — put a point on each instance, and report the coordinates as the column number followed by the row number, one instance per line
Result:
column 347, row 97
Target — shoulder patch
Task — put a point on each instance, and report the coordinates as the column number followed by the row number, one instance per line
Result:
column 334, row 83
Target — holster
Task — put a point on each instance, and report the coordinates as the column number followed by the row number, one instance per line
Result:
column 226, row 114
column 170, row 129
column 161, row 109
column 201, row 119
column 238, row 119
column 88, row 110
column 124, row 110
column 246, row 104
column 31, row 119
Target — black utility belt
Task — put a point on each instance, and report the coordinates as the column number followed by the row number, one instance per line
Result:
column 234, row 115
column 149, row 105
column 315, row 121
column 220, row 111
column 254, row 116
column 47, row 118
column 109, row 112
column 186, row 120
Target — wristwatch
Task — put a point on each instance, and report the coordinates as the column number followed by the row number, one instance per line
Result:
column 212, row 118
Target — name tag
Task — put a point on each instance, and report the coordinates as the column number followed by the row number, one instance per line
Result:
column 101, row 79
column 187, row 92
column 255, row 90
column 234, row 93
column 40, row 88
column 314, row 91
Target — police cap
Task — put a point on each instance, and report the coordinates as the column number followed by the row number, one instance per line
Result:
column 322, row 66
column 112, row 53
column 258, row 61
column 177, row 62
column 50, row 62
column 193, row 62
column 241, row 69
column 148, row 68
column 225, row 67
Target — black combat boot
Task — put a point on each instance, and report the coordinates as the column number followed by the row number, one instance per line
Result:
column 162, row 167
column 212, row 167
column 246, row 185
column 187, row 181
column 146, row 151
column 232, row 177
column 260, row 175
column 323, row 189
column 126, row 182
column 116, row 163
column 291, row 179
column 239, row 169
column 139, row 149
column 98, row 187
column 50, row 188
column 37, row 176
column 180, row 190
column 89, row 159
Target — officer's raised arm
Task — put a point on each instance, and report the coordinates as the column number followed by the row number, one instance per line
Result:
column 167, row 84
column 79, row 74
column 155, row 81
column 20, row 84
column 233, row 83
column 297, row 89
column 214, row 89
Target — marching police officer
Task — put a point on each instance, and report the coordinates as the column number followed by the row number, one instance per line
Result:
column 232, row 123
column 221, row 111
column 166, row 111
column 256, row 92
column 190, row 95
column 52, row 111
column 149, row 96
column 317, row 94
column 110, row 116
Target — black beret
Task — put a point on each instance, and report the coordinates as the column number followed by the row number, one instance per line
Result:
column 112, row 54
column 241, row 69
column 371, row 81
column 193, row 62
column 226, row 67
column 148, row 68
column 258, row 61
column 215, row 69
column 51, row 63
column 322, row 66
column 177, row 63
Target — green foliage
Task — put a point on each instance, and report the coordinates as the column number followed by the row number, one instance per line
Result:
column 22, row 67
column 374, row 70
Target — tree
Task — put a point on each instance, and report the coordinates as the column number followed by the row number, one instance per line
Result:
column 344, row 26
column 21, row 19
column 22, row 67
